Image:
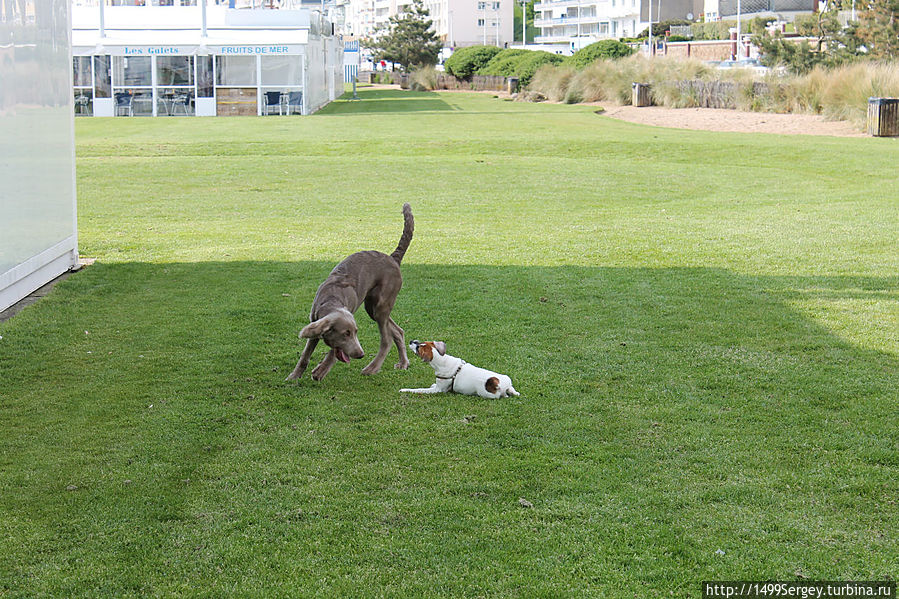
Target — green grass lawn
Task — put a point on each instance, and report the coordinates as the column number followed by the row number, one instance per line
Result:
column 704, row 328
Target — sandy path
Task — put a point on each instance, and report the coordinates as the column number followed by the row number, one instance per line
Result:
column 710, row 119
column 715, row 119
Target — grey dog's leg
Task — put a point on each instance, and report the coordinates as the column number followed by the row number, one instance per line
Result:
column 319, row 372
column 383, row 348
column 304, row 359
column 400, row 341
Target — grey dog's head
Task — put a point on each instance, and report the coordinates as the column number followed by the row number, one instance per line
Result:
column 338, row 331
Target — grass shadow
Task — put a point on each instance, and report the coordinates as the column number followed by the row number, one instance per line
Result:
column 667, row 413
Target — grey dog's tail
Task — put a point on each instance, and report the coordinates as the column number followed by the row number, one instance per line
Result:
column 406, row 239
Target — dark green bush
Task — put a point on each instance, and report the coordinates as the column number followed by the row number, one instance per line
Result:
column 465, row 62
column 519, row 63
column 597, row 50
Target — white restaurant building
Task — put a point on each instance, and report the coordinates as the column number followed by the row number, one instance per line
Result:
column 203, row 60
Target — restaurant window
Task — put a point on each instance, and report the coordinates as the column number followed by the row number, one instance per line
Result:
column 281, row 70
column 235, row 71
column 83, row 81
column 204, row 77
column 131, row 71
column 174, row 70
column 102, row 77
column 175, row 86
column 282, row 80
column 132, row 80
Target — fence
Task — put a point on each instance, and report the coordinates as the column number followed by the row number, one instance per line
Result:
column 477, row 83
column 716, row 94
column 444, row 81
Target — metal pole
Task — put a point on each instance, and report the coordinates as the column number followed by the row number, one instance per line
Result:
column 102, row 18
column 524, row 22
column 650, row 30
column 497, row 28
column 739, row 38
column 203, row 18
column 578, row 25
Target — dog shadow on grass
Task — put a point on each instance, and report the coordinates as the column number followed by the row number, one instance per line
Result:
column 565, row 329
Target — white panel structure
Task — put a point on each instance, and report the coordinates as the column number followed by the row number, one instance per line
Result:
column 38, row 234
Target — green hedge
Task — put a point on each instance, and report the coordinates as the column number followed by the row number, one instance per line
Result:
column 465, row 62
column 597, row 50
column 519, row 63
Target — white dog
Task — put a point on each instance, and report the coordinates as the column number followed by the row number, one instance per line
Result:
column 456, row 375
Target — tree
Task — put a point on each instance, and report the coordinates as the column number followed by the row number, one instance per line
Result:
column 408, row 41
column 878, row 28
column 831, row 43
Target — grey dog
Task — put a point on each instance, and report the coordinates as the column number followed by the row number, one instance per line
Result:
column 370, row 277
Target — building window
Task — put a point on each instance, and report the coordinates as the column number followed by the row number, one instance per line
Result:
column 204, row 76
column 132, row 71
column 281, row 70
column 235, row 71
column 480, row 22
column 482, row 6
column 103, row 76
column 132, row 85
column 84, row 85
column 175, row 70
column 496, row 6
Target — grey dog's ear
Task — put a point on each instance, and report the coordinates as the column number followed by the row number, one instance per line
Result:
column 440, row 346
column 318, row 328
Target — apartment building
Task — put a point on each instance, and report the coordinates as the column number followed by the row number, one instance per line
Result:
column 457, row 22
column 782, row 10
column 582, row 22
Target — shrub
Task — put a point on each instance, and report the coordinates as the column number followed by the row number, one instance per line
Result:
column 839, row 93
column 519, row 63
column 553, row 82
column 597, row 50
column 465, row 62
column 424, row 79
column 503, row 63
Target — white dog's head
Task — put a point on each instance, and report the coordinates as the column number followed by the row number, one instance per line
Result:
column 425, row 349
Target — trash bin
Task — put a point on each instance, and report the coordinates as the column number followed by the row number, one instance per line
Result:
column 883, row 117
column 641, row 96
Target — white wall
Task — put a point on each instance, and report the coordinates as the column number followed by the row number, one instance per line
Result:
column 38, row 238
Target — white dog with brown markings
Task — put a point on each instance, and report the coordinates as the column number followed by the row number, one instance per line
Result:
column 455, row 375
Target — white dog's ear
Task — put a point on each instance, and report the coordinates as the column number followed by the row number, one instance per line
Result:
column 440, row 346
column 317, row 328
